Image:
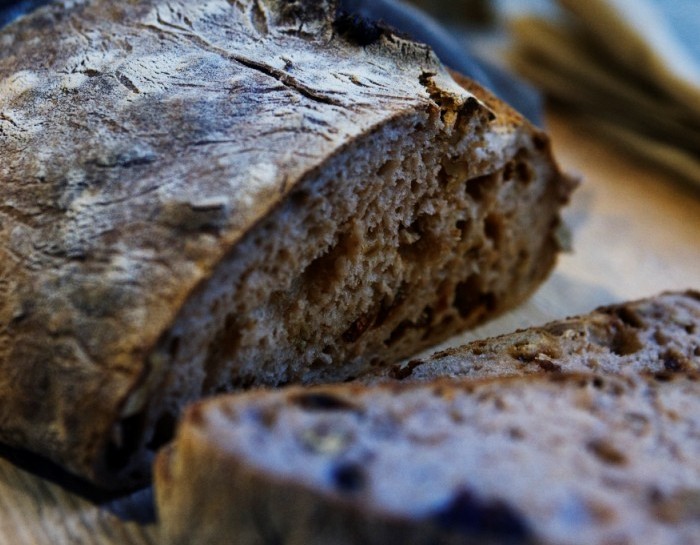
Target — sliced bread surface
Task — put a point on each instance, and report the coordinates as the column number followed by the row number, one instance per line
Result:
column 549, row 459
column 655, row 334
column 209, row 195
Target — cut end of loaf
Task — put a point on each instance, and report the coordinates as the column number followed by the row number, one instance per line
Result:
column 576, row 459
column 421, row 230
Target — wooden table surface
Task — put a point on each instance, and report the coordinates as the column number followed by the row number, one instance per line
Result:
column 635, row 233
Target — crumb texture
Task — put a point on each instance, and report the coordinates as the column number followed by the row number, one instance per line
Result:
column 659, row 334
column 549, row 459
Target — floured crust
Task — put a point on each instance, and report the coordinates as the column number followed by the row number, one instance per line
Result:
column 141, row 144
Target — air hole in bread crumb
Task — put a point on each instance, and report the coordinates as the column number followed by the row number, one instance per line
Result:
column 402, row 372
column 540, row 141
column 398, row 332
column 681, row 506
column 376, row 361
column 267, row 416
column 242, row 381
column 478, row 348
column 391, row 304
column 323, row 273
column 606, row 452
column 321, row 401
column 601, row 513
column 548, row 366
column 672, row 415
column 477, row 188
column 493, row 228
column 516, row 434
column 637, row 423
column 469, row 298
column 660, row 338
column 663, row 376
column 442, row 391
column 411, row 234
column 349, row 478
column 508, row 171
column 524, row 172
column 225, row 344
column 625, row 342
column 388, row 168
column 457, row 417
column 453, row 172
column 317, row 364
column 443, row 177
column 674, row 361
column 418, row 242
column 423, row 322
column 629, row 317
column 357, row 328
column 540, row 351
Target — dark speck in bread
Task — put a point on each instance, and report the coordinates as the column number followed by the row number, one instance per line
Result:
column 319, row 401
column 348, row 477
column 468, row 514
column 607, row 452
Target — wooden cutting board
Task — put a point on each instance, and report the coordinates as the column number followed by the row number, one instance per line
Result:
column 635, row 232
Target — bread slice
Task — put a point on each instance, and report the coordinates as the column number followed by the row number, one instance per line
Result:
column 208, row 195
column 590, row 459
column 655, row 334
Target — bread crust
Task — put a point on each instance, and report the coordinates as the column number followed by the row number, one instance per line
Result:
column 141, row 143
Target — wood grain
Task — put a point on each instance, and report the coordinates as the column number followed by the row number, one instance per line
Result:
column 37, row 511
column 635, row 233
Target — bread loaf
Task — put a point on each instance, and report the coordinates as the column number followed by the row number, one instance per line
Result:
column 589, row 459
column 655, row 334
column 208, row 195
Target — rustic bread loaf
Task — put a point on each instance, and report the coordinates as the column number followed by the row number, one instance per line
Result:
column 590, row 459
column 207, row 195
column 655, row 334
